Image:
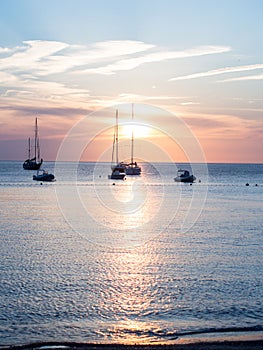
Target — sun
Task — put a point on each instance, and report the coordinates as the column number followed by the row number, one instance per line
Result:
column 139, row 131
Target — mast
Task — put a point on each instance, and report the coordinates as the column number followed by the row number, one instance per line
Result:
column 117, row 138
column 132, row 139
column 113, row 148
column 29, row 148
column 36, row 139
column 38, row 149
column 37, row 146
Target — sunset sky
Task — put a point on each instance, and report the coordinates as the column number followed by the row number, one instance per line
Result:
column 199, row 60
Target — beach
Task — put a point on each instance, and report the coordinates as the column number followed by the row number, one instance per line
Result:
column 196, row 345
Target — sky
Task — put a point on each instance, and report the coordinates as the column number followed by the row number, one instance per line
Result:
column 73, row 62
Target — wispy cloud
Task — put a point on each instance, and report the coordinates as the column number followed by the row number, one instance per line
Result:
column 53, row 71
column 219, row 71
column 221, row 126
column 249, row 77
column 42, row 58
column 31, row 56
column 160, row 56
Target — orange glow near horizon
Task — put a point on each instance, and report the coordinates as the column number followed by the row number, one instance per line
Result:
column 220, row 137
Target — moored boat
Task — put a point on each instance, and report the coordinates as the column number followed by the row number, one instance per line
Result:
column 43, row 175
column 35, row 162
column 118, row 169
column 132, row 168
column 184, row 176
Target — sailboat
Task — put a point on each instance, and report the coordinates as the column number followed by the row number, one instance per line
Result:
column 35, row 162
column 132, row 168
column 118, row 169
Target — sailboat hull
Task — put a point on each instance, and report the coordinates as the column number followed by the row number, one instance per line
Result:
column 117, row 174
column 31, row 164
column 133, row 170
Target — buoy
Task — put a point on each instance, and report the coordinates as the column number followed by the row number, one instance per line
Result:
column 247, row 184
column 113, row 184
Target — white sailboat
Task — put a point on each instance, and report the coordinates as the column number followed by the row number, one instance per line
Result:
column 118, row 169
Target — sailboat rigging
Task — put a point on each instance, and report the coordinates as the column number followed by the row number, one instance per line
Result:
column 132, row 168
column 35, row 162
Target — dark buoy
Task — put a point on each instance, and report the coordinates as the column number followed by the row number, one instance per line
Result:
column 256, row 184
column 247, row 184
column 41, row 183
column 113, row 184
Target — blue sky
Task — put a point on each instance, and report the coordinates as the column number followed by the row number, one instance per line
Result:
column 201, row 60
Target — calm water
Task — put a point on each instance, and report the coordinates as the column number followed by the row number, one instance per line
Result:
column 88, row 259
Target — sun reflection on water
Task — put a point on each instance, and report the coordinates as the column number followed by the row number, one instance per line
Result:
column 135, row 275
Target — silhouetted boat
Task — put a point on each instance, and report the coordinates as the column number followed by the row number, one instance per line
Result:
column 43, row 175
column 132, row 168
column 35, row 162
column 184, row 176
column 118, row 169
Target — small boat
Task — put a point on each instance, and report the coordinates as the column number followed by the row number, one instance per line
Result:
column 132, row 168
column 44, row 176
column 118, row 169
column 184, row 176
column 35, row 162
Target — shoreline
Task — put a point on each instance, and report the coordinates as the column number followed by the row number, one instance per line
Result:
column 246, row 342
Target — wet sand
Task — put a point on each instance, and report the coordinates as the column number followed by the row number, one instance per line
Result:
column 202, row 345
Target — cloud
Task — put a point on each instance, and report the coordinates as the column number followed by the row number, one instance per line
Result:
column 42, row 58
column 39, row 70
column 219, row 71
column 190, row 103
column 131, row 63
column 18, row 88
column 249, row 77
column 221, row 126
column 31, row 56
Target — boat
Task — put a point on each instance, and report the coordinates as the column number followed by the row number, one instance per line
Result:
column 132, row 168
column 118, row 169
column 184, row 176
column 35, row 162
column 43, row 175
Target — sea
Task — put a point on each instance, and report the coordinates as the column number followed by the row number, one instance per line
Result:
column 91, row 260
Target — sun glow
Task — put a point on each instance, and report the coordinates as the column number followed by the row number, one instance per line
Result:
column 139, row 131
